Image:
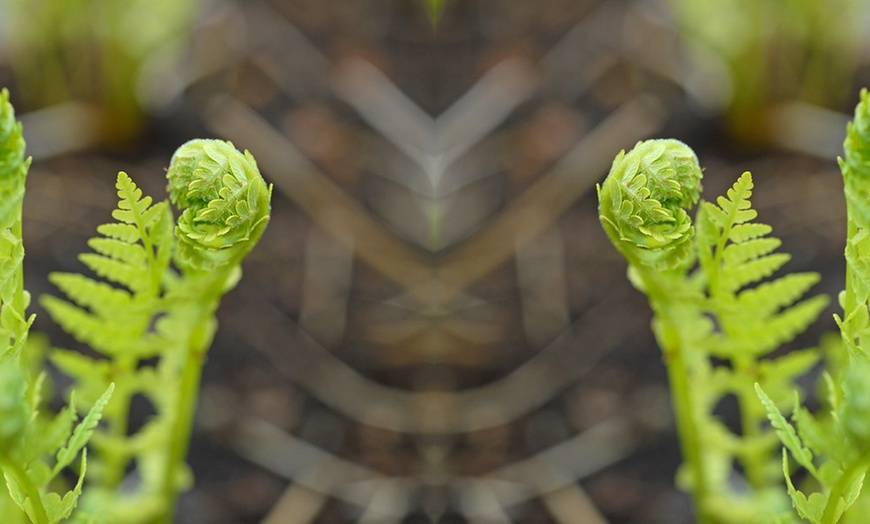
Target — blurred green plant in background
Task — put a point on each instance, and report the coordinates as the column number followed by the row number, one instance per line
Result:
column 434, row 8
column 774, row 51
column 92, row 52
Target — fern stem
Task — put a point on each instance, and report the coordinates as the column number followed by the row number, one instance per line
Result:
column 754, row 459
column 858, row 467
column 675, row 347
column 114, row 460
column 30, row 491
column 182, row 429
column 196, row 345
column 850, row 301
column 687, row 429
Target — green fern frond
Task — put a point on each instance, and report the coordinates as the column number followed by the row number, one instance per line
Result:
column 82, row 433
column 856, row 164
column 114, row 316
column 769, row 297
column 735, row 206
column 99, row 297
column 13, row 165
column 133, row 252
column 786, row 432
column 758, row 319
column 125, row 252
column 113, row 319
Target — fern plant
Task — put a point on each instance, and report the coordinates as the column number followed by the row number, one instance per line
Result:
column 833, row 445
column 165, row 282
column 36, row 448
column 717, row 317
column 108, row 56
column 149, row 315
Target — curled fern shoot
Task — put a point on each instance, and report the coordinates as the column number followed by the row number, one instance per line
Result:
column 708, row 283
column 224, row 203
column 645, row 199
column 150, row 314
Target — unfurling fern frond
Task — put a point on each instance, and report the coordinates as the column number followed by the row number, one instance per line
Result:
column 224, row 203
column 150, row 314
column 736, row 253
column 644, row 200
column 724, row 309
column 133, row 253
column 755, row 320
column 114, row 316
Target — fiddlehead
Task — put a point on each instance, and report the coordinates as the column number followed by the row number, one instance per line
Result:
column 223, row 199
column 644, row 202
column 224, row 204
column 643, row 207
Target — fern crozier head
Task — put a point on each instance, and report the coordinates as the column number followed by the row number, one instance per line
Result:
column 223, row 199
column 643, row 203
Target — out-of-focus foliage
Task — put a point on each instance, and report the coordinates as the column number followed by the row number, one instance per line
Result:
column 434, row 8
column 774, row 51
column 93, row 51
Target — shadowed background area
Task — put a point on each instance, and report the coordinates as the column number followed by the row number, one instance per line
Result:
column 434, row 327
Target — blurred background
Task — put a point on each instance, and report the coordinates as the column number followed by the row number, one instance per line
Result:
column 434, row 328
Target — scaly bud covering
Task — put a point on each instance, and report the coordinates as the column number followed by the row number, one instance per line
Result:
column 223, row 199
column 643, row 203
column 856, row 165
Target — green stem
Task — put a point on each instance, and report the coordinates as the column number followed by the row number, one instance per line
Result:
column 755, row 458
column 198, row 342
column 115, row 460
column 856, row 468
column 674, row 346
column 182, row 429
column 850, row 302
column 30, row 491
column 687, row 429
